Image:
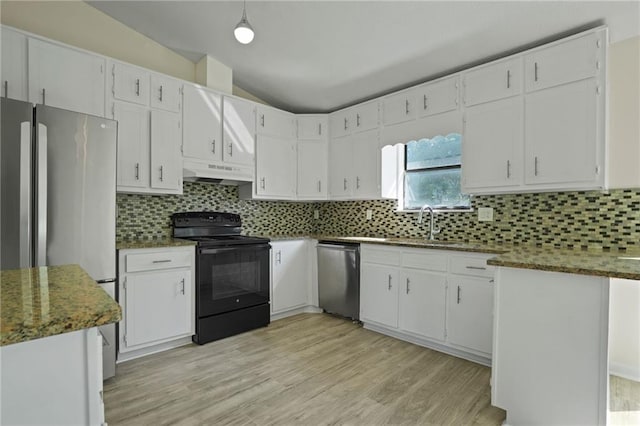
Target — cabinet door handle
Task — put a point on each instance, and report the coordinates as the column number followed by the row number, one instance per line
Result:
column 162, row 261
column 424, row 102
column 345, row 123
column 389, row 286
column 345, row 184
column 508, row 169
column 458, row 302
column 161, row 173
column 137, row 168
column 357, row 120
column 357, row 182
column 406, row 106
column 480, row 268
column 535, row 71
column 319, row 186
column 44, row 97
column 320, row 129
column 213, row 146
column 230, row 149
column 262, row 183
column 535, row 166
column 160, row 93
column 183, row 284
column 262, row 120
column 279, row 257
column 508, row 79
column 408, row 282
column 137, row 87
column 6, row 89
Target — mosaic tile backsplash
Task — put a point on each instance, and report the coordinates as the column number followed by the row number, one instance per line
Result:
column 148, row 216
column 593, row 219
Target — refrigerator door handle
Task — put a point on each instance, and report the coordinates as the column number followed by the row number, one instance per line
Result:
column 25, row 194
column 41, row 237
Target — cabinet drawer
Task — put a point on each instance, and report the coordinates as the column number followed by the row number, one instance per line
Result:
column 474, row 266
column 422, row 259
column 159, row 260
column 380, row 256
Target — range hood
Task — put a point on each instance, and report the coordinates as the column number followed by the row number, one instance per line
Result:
column 209, row 172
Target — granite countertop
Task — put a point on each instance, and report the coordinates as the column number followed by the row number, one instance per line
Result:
column 45, row 301
column 142, row 244
column 613, row 264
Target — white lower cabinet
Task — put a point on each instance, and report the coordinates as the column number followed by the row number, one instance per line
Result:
column 439, row 299
column 157, row 296
column 289, row 275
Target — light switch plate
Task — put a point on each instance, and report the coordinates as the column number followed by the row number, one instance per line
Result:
column 485, row 214
column 369, row 214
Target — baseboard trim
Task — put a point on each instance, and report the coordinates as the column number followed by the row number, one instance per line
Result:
column 128, row 356
column 625, row 371
column 303, row 310
column 429, row 344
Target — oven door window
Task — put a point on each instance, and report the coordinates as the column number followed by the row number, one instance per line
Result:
column 232, row 278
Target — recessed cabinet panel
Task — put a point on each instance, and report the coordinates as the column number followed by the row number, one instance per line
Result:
column 492, row 148
column 564, row 62
column 470, row 320
column 494, row 81
column 365, row 116
column 165, row 93
column 166, row 172
column 560, row 135
column 340, row 123
column 130, row 83
column 399, row 107
column 379, row 294
column 239, row 129
column 133, row 144
column 340, row 167
column 365, row 178
column 436, row 98
column 422, row 308
column 202, row 124
column 312, row 127
column 275, row 123
column 275, row 167
column 290, row 275
column 312, row 169
column 66, row 78
column 14, row 64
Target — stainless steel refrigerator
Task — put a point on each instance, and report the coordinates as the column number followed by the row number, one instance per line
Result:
column 59, row 194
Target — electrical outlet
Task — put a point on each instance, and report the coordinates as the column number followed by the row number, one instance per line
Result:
column 316, row 214
column 485, row 214
column 369, row 214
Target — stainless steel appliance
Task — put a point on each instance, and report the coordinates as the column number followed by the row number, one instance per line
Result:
column 339, row 278
column 232, row 274
column 58, row 193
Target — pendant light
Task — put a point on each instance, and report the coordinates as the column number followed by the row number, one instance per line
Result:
column 243, row 31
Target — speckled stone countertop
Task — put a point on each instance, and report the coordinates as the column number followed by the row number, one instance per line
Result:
column 45, row 301
column 613, row 264
column 142, row 244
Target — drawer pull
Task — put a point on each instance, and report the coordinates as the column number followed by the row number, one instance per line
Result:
column 162, row 261
column 480, row 268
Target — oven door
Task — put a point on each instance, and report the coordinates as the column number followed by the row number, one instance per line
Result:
column 232, row 278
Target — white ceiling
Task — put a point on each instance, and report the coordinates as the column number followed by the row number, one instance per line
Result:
column 318, row 56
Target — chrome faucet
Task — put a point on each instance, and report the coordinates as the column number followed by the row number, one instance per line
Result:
column 432, row 224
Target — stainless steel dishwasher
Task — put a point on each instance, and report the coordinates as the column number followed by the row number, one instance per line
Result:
column 339, row 278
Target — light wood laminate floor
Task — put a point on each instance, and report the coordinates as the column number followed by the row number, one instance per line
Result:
column 308, row 369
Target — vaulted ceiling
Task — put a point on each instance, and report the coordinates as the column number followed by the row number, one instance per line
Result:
column 318, row 56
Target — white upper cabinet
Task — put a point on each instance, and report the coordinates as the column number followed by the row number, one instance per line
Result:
column 494, row 81
column 14, row 64
column 437, row 97
column 492, row 145
column 312, row 157
column 239, row 130
column 366, row 165
column 561, row 133
column 166, row 172
column 355, row 119
column 399, row 107
column 130, row 83
column 133, row 145
column 340, row 123
column 66, row 78
column 340, row 167
column 271, row 121
column 566, row 61
column 202, row 124
column 275, row 168
column 165, row 93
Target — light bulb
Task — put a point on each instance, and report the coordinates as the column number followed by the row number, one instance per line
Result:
column 243, row 32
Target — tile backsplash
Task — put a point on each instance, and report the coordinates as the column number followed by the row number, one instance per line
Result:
column 591, row 219
column 148, row 216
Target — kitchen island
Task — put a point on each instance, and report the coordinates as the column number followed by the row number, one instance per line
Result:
column 50, row 346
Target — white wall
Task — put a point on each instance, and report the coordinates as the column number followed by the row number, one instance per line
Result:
column 624, row 329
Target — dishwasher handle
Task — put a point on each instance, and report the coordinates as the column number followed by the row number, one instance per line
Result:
column 341, row 247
